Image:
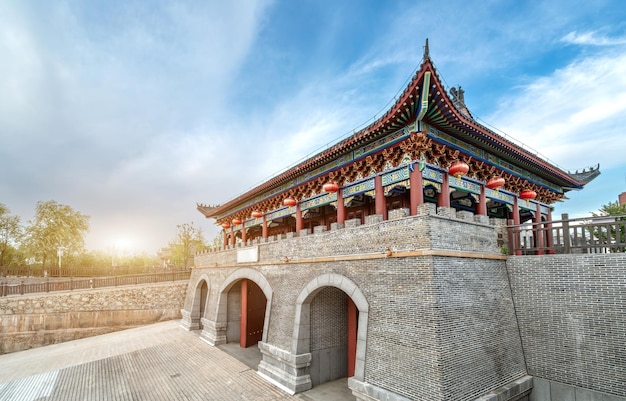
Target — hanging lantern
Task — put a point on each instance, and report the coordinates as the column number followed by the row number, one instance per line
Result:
column 257, row 215
column 225, row 225
column 236, row 221
column 495, row 183
column 528, row 194
column 289, row 202
column 458, row 169
column 330, row 187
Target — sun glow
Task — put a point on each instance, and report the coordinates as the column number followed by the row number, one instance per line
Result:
column 122, row 244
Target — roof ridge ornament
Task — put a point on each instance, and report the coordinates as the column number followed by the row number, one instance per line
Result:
column 458, row 100
column 426, row 51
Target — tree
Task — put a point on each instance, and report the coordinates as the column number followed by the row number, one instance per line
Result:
column 55, row 227
column 218, row 241
column 611, row 209
column 10, row 231
column 188, row 241
column 612, row 233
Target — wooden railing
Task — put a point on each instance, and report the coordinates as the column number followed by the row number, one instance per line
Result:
column 47, row 285
column 605, row 234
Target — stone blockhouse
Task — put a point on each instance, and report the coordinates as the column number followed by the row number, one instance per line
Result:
column 383, row 259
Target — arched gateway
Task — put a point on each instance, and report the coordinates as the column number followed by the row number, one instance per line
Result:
column 343, row 333
column 385, row 254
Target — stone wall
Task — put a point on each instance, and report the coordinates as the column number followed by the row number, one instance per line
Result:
column 571, row 313
column 432, row 228
column 33, row 320
column 436, row 318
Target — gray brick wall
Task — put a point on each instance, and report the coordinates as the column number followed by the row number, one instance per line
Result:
column 477, row 329
column 439, row 328
column 426, row 230
column 572, row 315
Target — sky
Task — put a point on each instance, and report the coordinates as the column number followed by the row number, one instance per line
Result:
column 132, row 112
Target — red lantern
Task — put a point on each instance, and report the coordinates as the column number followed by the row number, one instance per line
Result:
column 257, row 215
column 289, row 202
column 236, row 221
column 458, row 169
column 225, row 225
column 495, row 183
column 528, row 194
column 330, row 187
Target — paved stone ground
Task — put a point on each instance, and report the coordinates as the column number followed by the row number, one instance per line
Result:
column 156, row 362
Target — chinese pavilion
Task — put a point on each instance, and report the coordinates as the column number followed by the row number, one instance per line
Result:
column 426, row 148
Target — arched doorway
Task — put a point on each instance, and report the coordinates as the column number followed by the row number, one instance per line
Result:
column 192, row 319
column 243, row 308
column 204, row 292
column 332, row 326
column 330, row 336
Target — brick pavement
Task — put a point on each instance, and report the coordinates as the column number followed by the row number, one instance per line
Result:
column 156, row 362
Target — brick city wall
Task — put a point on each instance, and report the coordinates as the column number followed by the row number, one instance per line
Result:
column 571, row 312
column 28, row 321
column 440, row 306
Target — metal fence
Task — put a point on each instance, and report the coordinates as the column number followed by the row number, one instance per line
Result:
column 603, row 234
column 48, row 285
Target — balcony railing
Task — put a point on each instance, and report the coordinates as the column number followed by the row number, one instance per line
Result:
column 602, row 234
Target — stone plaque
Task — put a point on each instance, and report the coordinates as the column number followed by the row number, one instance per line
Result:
column 248, row 255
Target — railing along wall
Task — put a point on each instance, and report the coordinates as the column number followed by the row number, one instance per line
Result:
column 597, row 234
column 48, row 285
column 38, row 271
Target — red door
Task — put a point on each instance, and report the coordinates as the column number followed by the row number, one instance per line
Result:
column 253, row 304
column 353, row 319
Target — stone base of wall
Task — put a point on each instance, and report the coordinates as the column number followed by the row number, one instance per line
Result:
column 187, row 322
column 61, row 327
column 288, row 371
column 368, row 392
column 213, row 333
column 547, row 390
column 517, row 390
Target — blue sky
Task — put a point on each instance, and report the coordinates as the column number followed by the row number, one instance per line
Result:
column 133, row 111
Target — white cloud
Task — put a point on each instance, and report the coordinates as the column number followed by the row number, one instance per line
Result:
column 576, row 116
column 592, row 38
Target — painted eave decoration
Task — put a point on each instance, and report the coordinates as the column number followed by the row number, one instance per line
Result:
column 435, row 107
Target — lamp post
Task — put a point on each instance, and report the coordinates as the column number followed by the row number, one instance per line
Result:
column 60, row 255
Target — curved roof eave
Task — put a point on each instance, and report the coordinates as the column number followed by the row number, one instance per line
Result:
column 497, row 141
column 365, row 135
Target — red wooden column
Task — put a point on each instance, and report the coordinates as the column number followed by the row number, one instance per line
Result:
column 443, row 200
column 232, row 234
column 225, row 238
column 264, row 227
column 416, row 192
column 243, row 323
column 482, row 202
column 244, row 234
column 352, row 336
column 341, row 207
column 299, row 221
column 549, row 241
column 516, row 223
column 538, row 232
column 381, row 201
